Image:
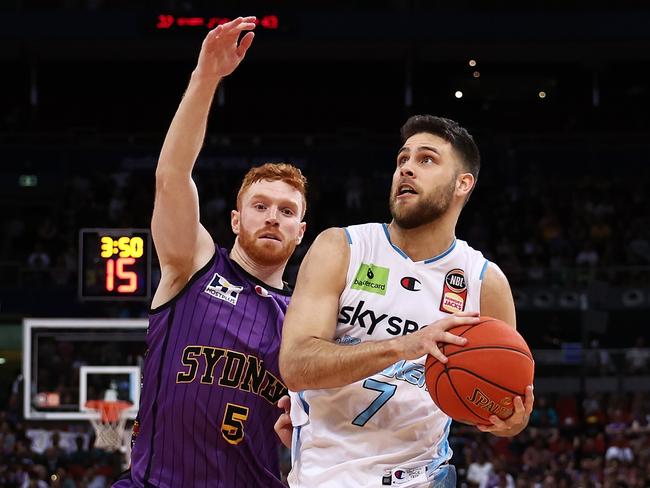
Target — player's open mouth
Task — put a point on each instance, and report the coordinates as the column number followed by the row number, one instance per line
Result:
column 271, row 237
column 405, row 190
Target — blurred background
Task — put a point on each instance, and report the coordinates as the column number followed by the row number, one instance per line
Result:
column 556, row 94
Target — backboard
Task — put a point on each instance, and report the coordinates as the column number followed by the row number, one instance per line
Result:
column 68, row 362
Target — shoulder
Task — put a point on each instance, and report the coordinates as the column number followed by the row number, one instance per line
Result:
column 327, row 258
column 494, row 280
column 496, row 296
column 333, row 237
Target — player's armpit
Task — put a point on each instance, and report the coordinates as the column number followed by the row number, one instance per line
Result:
column 312, row 313
column 496, row 296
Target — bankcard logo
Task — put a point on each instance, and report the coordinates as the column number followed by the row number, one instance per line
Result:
column 410, row 283
column 371, row 278
column 454, row 293
column 222, row 289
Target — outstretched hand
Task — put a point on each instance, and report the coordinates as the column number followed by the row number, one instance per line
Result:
column 221, row 52
column 283, row 427
column 516, row 422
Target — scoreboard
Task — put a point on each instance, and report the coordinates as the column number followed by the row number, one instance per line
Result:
column 114, row 264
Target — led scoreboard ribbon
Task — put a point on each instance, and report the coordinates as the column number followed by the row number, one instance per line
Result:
column 114, row 264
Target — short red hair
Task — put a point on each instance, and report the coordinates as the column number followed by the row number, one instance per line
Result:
column 276, row 172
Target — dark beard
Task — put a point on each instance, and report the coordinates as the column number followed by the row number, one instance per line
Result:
column 263, row 255
column 426, row 211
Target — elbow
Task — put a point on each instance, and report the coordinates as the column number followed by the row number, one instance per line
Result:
column 167, row 176
column 290, row 372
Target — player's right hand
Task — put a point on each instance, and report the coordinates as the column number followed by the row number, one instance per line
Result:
column 283, row 427
column 221, row 52
column 425, row 341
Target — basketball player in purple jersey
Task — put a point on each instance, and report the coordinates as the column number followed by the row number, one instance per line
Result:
column 211, row 381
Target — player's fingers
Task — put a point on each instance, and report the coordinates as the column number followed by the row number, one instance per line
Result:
column 467, row 313
column 235, row 30
column 452, row 339
column 457, row 320
column 436, row 353
column 519, row 406
column 285, row 403
column 484, row 428
column 529, row 400
column 245, row 43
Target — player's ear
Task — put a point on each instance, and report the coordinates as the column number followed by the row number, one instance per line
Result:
column 464, row 184
column 234, row 221
column 301, row 232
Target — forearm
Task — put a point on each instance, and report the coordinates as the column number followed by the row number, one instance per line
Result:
column 318, row 363
column 186, row 133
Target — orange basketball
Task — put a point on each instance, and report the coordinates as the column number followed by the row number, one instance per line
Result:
column 482, row 377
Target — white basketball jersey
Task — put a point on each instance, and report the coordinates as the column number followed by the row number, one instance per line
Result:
column 384, row 430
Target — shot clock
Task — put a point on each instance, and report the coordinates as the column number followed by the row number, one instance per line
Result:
column 114, row 264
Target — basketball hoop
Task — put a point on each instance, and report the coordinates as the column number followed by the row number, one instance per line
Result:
column 110, row 424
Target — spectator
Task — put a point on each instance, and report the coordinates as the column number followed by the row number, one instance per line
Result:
column 480, row 469
column 637, row 358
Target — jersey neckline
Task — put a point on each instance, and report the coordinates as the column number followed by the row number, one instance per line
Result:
column 405, row 256
column 286, row 291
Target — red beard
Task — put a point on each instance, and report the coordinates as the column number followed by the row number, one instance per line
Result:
column 266, row 252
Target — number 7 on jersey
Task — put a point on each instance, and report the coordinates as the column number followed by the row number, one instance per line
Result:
column 386, row 392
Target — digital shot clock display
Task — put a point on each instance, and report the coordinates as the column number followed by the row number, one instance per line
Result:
column 114, row 264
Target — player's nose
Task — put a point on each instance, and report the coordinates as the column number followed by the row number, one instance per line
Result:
column 407, row 169
column 272, row 215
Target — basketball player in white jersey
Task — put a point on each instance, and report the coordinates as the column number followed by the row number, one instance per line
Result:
column 371, row 301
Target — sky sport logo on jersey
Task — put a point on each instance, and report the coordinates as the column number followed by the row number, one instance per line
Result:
column 371, row 278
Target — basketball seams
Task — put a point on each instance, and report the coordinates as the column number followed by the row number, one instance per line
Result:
column 469, row 371
column 496, row 339
column 460, row 398
column 477, row 348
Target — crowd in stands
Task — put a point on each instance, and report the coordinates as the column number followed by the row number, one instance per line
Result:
column 515, row 216
column 602, row 441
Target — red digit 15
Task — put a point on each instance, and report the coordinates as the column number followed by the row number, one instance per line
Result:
column 116, row 267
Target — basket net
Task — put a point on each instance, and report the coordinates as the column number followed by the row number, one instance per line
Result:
column 110, row 426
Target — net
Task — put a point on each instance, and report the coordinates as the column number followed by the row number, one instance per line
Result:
column 111, row 423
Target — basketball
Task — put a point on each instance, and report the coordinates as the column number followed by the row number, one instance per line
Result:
column 482, row 377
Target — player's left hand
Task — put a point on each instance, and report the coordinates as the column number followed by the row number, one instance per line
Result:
column 283, row 427
column 515, row 423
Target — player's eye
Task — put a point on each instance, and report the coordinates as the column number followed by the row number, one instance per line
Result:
column 402, row 161
column 287, row 212
column 427, row 160
column 259, row 206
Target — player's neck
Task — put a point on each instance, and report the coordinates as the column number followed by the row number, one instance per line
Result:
column 271, row 275
column 425, row 241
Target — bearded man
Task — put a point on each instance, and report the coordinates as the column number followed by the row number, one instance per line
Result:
column 371, row 301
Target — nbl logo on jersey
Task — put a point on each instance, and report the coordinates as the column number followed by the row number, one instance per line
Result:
column 454, row 294
column 223, row 289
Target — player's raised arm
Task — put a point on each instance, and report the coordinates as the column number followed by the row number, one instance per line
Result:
column 309, row 356
column 182, row 244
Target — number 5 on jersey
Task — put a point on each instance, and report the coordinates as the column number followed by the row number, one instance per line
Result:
column 232, row 427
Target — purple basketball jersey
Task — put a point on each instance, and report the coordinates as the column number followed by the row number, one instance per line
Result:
column 211, row 384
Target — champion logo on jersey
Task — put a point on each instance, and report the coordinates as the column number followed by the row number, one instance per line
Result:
column 222, row 289
column 411, row 284
column 454, row 293
column 261, row 291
